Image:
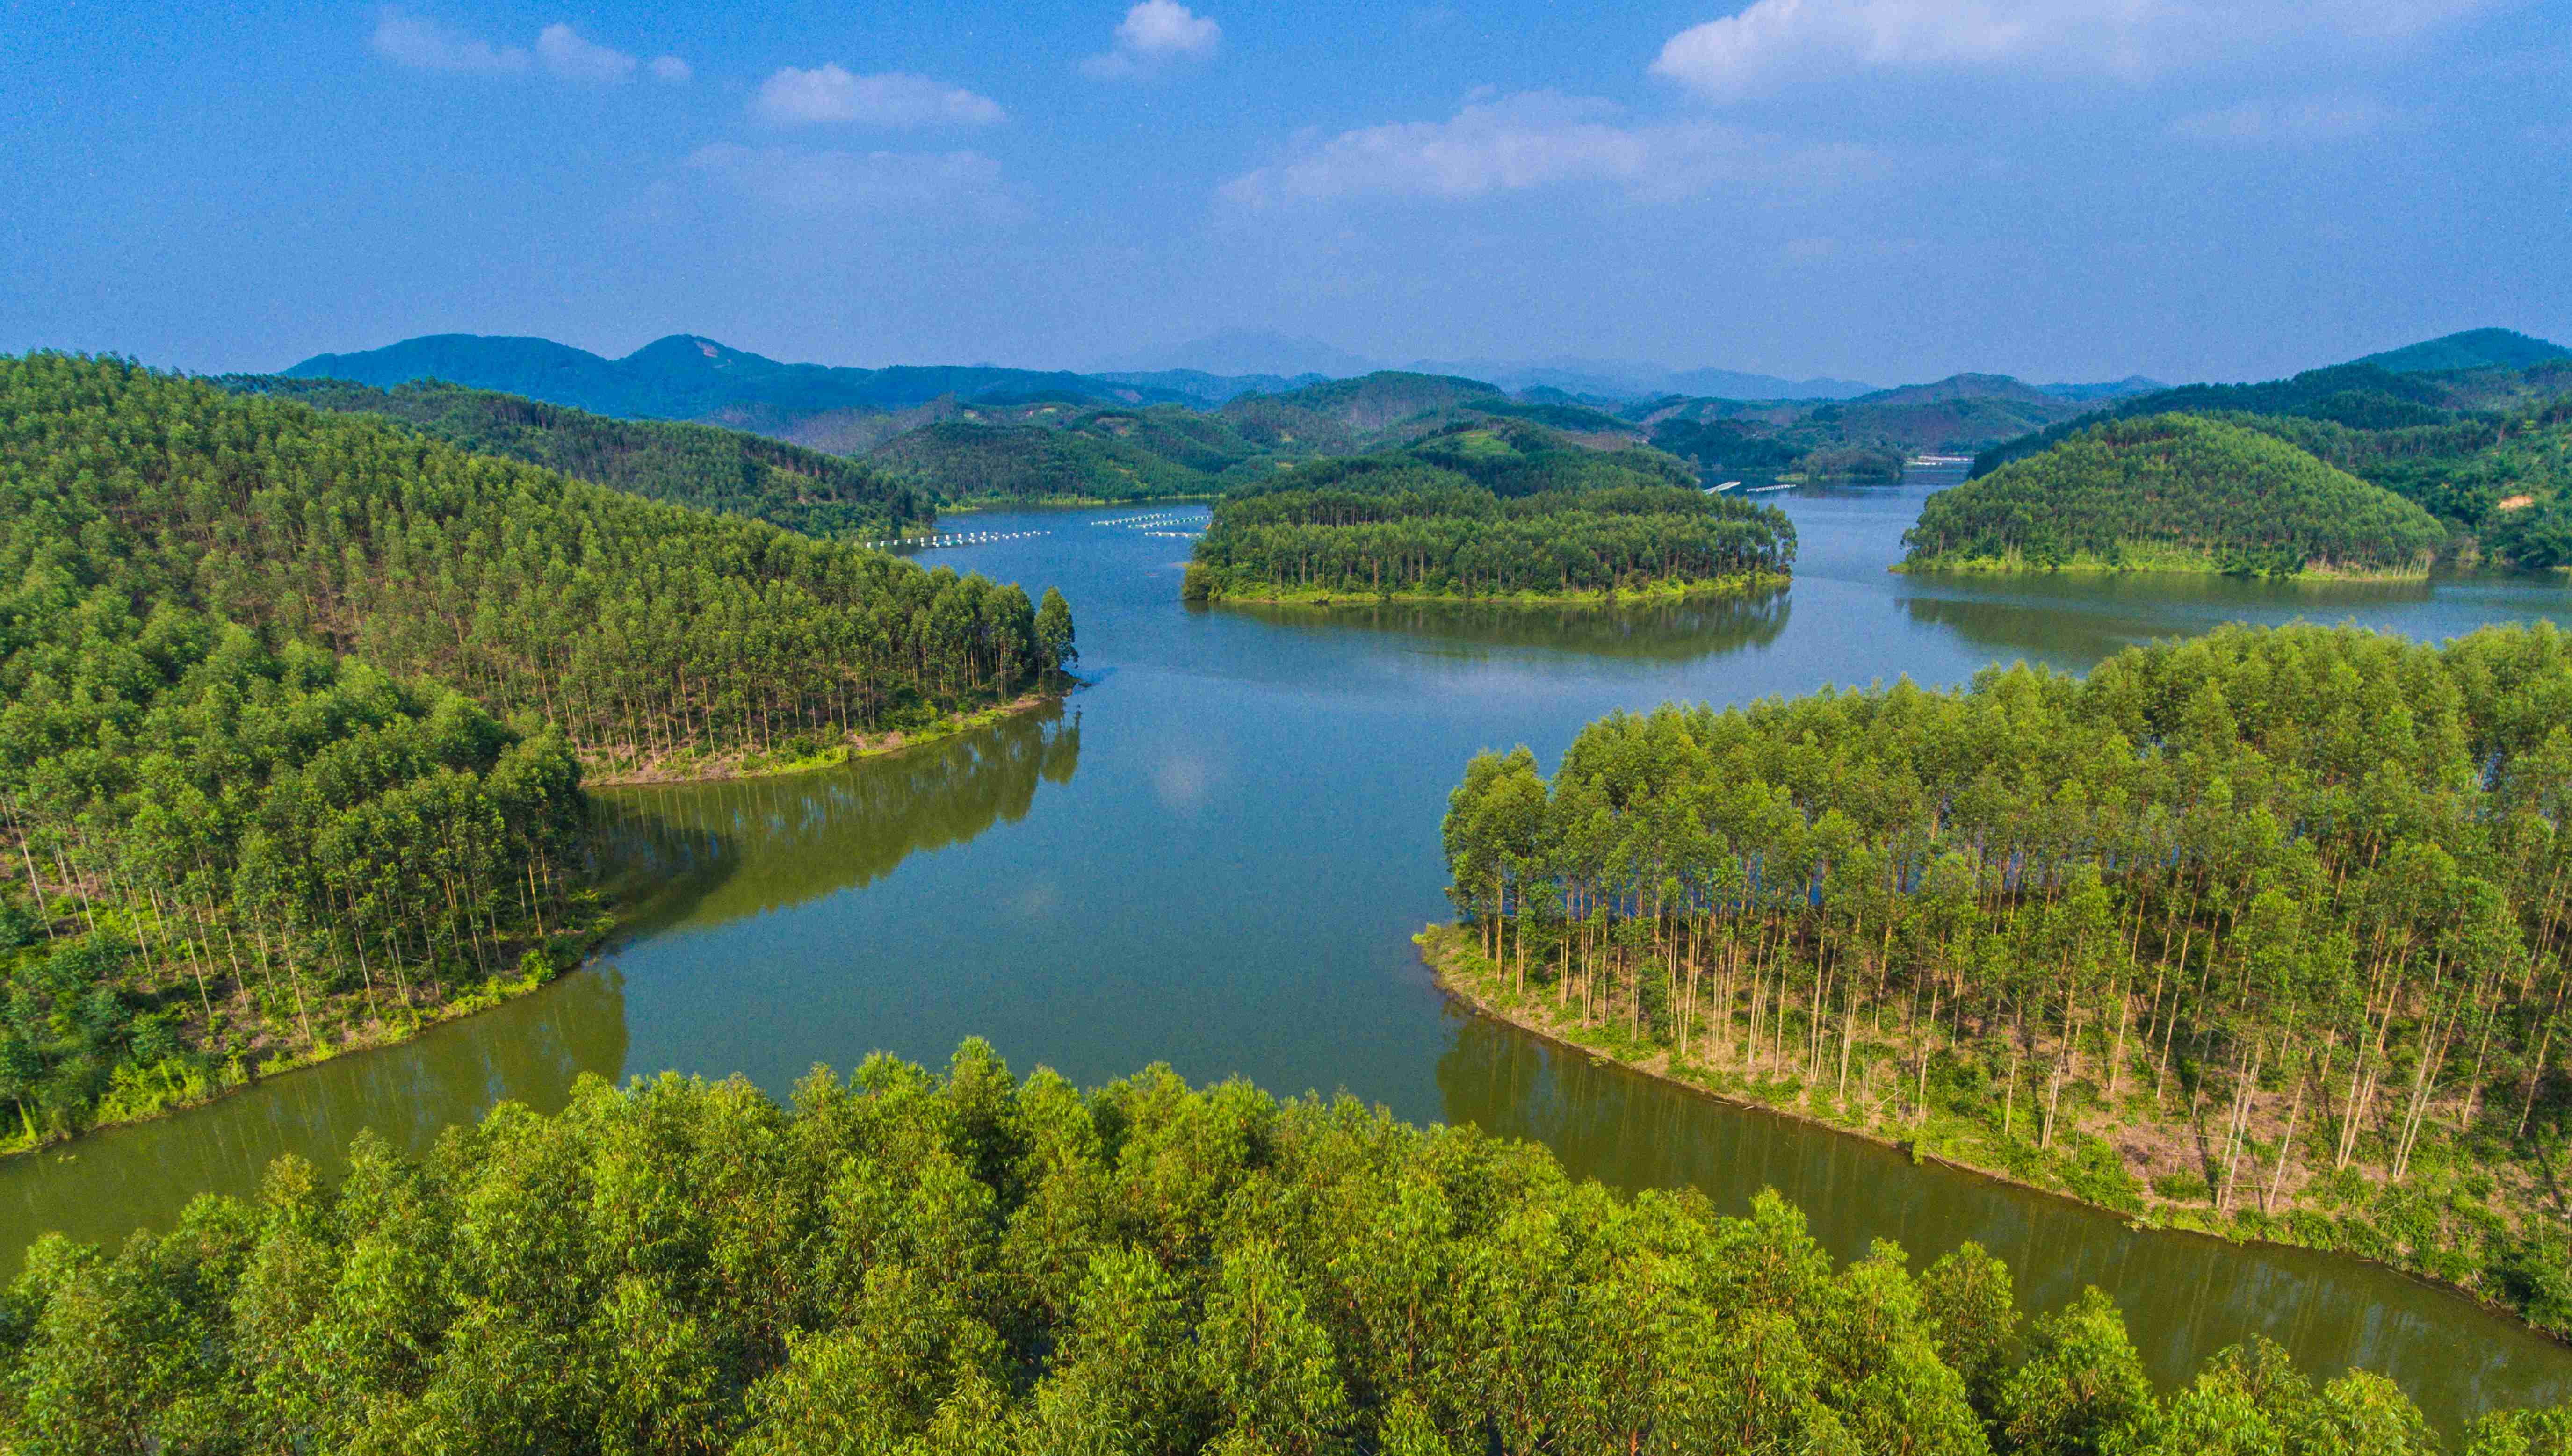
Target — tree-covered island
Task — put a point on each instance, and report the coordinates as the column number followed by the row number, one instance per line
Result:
column 1486, row 511
column 295, row 711
column 978, row 1264
column 2174, row 492
column 2267, row 933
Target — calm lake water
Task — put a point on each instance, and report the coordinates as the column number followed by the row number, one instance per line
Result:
column 1216, row 856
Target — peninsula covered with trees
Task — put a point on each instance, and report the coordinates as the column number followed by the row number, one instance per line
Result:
column 1486, row 510
column 299, row 707
column 978, row 1264
column 2264, row 931
column 2172, row 492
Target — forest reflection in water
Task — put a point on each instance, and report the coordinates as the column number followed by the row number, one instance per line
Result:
column 677, row 855
column 1644, row 632
column 531, row 1050
column 2184, row 1298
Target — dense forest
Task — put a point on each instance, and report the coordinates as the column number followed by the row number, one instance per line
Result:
column 2274, row 926
column 297, row 706
column 715, row 470
column 976, row 1264
column 2475, row 429
column 1864, row 440
column 2173, row 491
column 1482, row 511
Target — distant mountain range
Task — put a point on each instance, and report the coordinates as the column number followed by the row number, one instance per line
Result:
column 1239, row 404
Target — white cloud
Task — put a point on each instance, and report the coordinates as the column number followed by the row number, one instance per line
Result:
column 2312, row 120
column 424, row 45
column 830, row 93
column 1153, row 34
column 1773, row 41
column 1535, row 140
column 836, row 183
column 574, row 58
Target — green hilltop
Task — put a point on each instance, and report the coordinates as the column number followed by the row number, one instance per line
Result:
column 701, row 465
column 2485, row 446
column 1491, row 510
column 2174, row 492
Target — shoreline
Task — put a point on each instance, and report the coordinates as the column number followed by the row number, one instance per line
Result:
column 1998, row 567
column 725, row 768
column 1749, row 584
column 1439, row 949
column 236, row 1076
column 233, row 1078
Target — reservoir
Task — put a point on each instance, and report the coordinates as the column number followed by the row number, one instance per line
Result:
column 1214, row 855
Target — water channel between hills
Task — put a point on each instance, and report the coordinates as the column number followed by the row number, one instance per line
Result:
column 1214, row 857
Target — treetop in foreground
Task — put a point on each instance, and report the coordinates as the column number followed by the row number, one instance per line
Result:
column 975, row 1263
column 2172, row 492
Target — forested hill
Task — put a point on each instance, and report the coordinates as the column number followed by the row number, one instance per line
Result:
column 700, row 465
column 2174, row 491
column 979, row 1264
column 1493, row 508
column 2474, row 348
column 296, row 703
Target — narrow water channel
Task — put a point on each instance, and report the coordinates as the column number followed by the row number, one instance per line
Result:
column 1214, row 857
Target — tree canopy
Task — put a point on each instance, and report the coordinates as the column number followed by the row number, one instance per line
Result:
column 711, row 469
column 2289, row 907
column 1487, row 509
column 297, row 708
column 913, row 1264
column 2173, row 490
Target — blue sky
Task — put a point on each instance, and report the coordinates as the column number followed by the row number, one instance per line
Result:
column 1883, row 190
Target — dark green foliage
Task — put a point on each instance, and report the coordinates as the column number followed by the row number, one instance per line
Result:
column 684, row 465
column 2170, row 489
column 978, row 1265
column 2299, row 879
column 2356, row 396
column 1066, row 454
column 1864, row 440
column 1480, row 510
column 2474, row 348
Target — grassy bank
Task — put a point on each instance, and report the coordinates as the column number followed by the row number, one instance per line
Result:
column 2147, row 1150
column 2143, row 560
column 1262, row 593
column 350, row 1025
column 801, row 755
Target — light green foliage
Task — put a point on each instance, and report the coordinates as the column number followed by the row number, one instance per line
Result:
column 682, row 1267
column 2262, row 880
column 2154, row 491
column 1484, row 509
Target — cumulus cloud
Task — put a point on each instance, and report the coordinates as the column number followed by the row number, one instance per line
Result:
column 671, row 69
column 1535, row 140
column 1774, row 42
column 1154, row 33
column 567, row 55
column 830, row 93
column 2312, row 120
column 837, row 184
column 424, row 45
